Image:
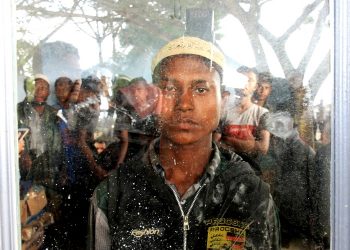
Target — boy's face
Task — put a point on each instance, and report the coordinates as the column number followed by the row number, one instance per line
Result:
column 63, row 90
column 140, row 93
column 42, row 90
column 263, row 90
column 191, row 100
column 251, row 84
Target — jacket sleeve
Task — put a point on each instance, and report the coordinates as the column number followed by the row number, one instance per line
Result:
column 98, row 235
column 264, row 231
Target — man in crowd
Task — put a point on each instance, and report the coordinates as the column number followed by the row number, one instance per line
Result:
column 243, row 126
column 43, row 144
column 289, row 168
column 86, row 173
column 63, row 89
column 133, row 116
column 183, row 193
column 43, row 148
column 263, row 90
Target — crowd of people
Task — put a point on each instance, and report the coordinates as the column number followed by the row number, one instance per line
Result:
column 191, row 163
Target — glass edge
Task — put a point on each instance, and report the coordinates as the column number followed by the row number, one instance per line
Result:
column 340, row 171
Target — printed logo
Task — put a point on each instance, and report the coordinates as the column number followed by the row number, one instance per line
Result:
column 138, row 233
column 226, row 222
column 225, row 237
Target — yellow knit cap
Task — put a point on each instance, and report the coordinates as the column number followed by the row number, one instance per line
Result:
column 190, row 46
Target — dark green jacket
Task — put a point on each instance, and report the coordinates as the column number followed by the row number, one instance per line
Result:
column 231, row 207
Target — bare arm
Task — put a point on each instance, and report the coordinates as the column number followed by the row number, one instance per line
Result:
column 240, row 145
column 250, row 144
column 124, row 142
column 262, row 145
column 93, row 166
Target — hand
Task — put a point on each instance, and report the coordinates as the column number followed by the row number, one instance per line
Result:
column 104, row 86
column 20, row 146
column 241, row 132
column 100, row 173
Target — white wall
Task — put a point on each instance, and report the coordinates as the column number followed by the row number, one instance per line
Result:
column 9, row 197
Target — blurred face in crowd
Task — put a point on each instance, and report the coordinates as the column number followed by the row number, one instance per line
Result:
column 75, row 92
column 42, row 90
column 84, row 94
column 63, row 90
column 251, row 84
column 263, row 90
column 100, row 147
column 140, row 92
column 191, row 99
column 225, row 98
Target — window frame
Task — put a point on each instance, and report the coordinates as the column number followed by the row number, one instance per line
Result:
column 340, row 157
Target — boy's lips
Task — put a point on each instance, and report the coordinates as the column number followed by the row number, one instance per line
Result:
column 184, row 124
column 40, row 99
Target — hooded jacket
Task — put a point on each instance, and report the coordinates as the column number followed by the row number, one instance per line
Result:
column 229, row 208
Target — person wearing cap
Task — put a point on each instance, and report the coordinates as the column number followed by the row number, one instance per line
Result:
column 134, row 123
column 44, row 140
column 118, row 82
column 43, row 143
column 184, row 193
column 24, row 107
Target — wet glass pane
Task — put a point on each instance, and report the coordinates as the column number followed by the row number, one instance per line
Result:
column 94, row 94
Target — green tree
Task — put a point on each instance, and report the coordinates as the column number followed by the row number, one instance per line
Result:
column 144, row 25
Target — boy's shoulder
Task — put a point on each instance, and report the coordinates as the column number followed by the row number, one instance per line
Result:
column 109, row 187
column 101, row 195
column 233, row 163
column 233, row 169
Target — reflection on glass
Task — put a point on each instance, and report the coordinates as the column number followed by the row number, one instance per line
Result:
column 84, row 74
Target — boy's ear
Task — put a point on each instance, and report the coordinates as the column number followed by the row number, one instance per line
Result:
column 158, row 107
column 222, row 109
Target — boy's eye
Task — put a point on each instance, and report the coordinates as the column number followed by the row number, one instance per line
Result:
column 201, row 90
column 169, row 88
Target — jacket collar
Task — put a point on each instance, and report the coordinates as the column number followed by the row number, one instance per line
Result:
column 153, row 159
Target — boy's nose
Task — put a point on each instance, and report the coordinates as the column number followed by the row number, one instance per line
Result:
column 184, row 100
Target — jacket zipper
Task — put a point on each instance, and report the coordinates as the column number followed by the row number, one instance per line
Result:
column 186, row 223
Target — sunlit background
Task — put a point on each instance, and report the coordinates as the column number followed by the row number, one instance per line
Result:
column 277, row 16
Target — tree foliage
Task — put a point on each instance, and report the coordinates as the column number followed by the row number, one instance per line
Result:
column 143, row 26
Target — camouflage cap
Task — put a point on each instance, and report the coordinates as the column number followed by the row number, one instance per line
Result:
column 190, row 46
